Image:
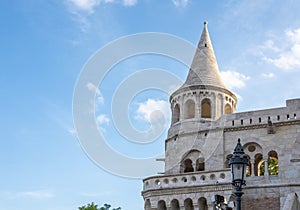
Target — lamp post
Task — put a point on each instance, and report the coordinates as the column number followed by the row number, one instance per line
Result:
column 238, row 164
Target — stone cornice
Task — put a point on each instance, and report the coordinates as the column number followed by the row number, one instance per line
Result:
column 259, row 126
column 210, row 188
column 202, row 87
column 272, row 185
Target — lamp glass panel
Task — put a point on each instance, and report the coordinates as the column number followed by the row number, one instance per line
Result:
column 238, row 171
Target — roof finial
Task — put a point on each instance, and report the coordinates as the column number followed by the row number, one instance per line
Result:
column 205, row 25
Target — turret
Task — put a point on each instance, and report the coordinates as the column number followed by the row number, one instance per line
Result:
column 203, row 96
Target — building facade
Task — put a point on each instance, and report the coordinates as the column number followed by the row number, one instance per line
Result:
column 203, row 134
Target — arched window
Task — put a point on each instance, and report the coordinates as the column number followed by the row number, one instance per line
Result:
column 273, row 167
column 248, row 169
column 202, row 203
column 228, row 109
column 259, row 165
column 200, row 164
column 189, row 109
column 188, row 166
column 206, row 108
column 175, row 205
column 176, row 114
column 147, row 205
column 161, row 205
column 188, row 204
column 191, row 161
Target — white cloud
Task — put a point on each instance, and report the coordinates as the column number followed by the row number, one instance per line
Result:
column 90, row 5
column 293, row 35
column 83, row 5
column 287, row 55
column 233, row 79
column 180, row 3
column 92, row 87
column 268, row 75
column 72, row 131
column 38, row 194
column 129, row 3
column 102, row 119
column 269, row 45
column 33, row 194
column 153, row 110
column 99, row 98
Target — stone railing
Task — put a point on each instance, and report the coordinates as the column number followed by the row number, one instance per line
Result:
column 187, row 179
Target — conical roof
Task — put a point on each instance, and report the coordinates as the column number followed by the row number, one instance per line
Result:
column 204, row 69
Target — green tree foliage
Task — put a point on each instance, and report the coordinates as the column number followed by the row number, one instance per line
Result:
column 93, row 206
column 272, row 167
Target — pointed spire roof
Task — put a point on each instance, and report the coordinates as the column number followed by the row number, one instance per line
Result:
column 204, row 69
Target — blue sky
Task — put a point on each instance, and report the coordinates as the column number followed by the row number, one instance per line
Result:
column 44, row 46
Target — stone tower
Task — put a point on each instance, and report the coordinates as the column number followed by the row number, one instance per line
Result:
column 200, row 101
column 203, row 133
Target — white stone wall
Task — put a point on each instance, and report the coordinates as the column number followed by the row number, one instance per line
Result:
column 217, row 139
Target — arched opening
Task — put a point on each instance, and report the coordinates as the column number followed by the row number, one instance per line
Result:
column 147, row 205
column 189, row 109
column 273, row 167
column 248, row 169
column 226, row 164
column 175, row 205
column 259, row 165
column 200, row 164
column 202, row 203
column 189, row 161
column 228, row 109
column 188, row 166
column 188, row 204
column 206, row 108
column 161, row 205
column 176, row 114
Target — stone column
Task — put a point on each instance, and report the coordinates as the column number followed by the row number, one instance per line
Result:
column 252, row 169
column 266, row 174
column 181, row 114
column 197, row 107
column 213, row 106
column 194, row 165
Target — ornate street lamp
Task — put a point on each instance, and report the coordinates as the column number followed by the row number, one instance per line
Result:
column 238, row 164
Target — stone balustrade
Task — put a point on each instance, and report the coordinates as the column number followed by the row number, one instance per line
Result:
column 187, row 179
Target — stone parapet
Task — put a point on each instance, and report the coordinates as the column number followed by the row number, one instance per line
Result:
column 187, row 180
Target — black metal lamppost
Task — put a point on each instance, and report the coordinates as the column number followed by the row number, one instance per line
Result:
column 238, row 164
